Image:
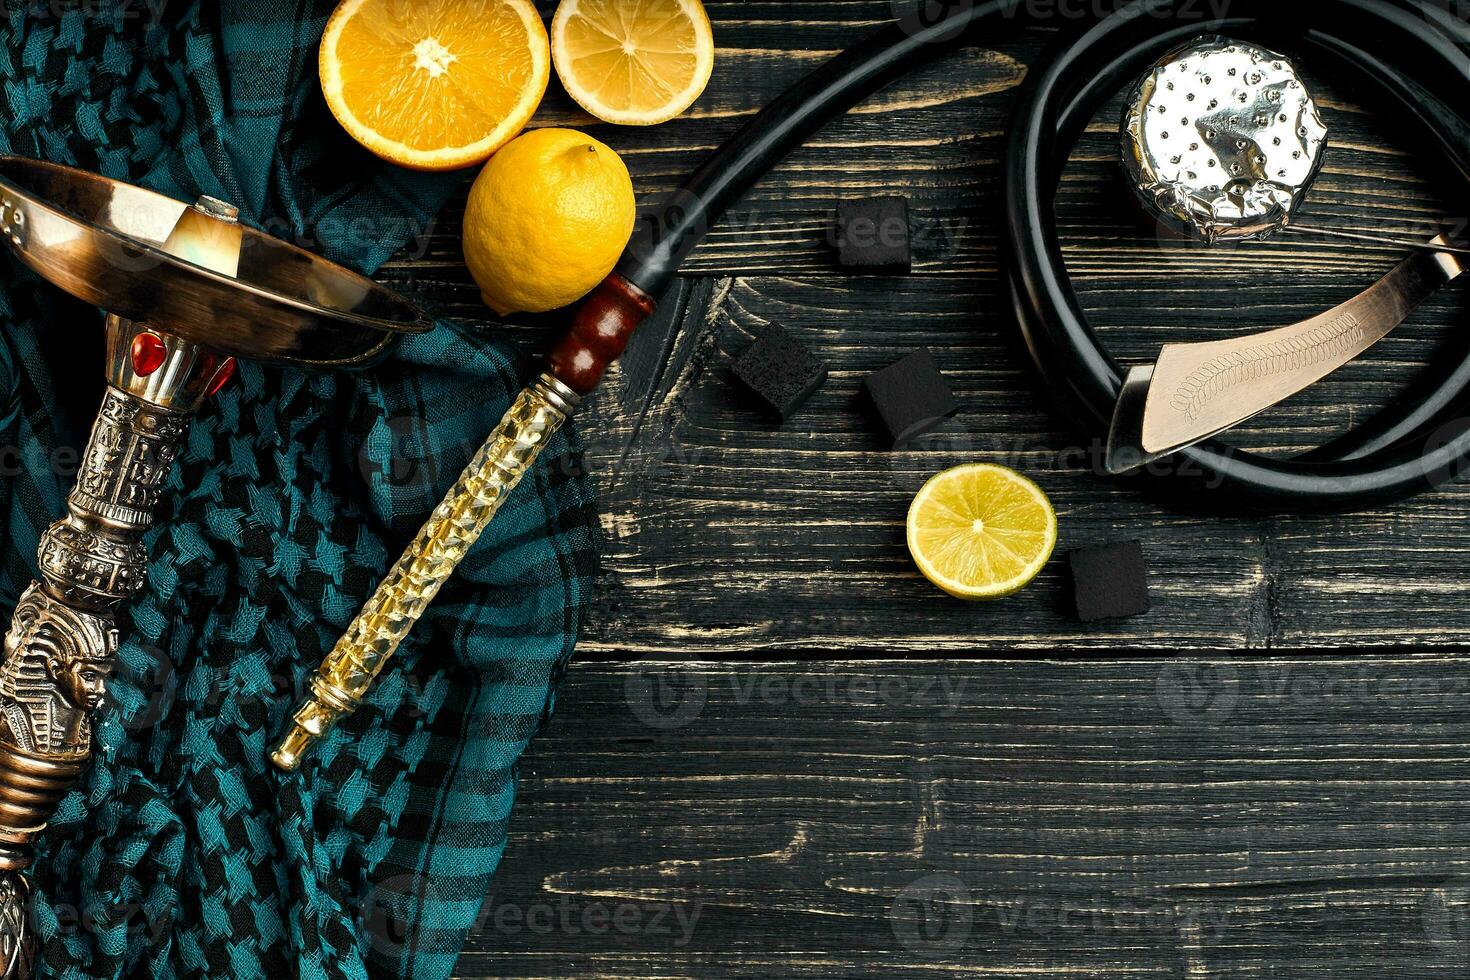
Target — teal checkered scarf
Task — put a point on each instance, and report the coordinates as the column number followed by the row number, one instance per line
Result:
column 182, row 852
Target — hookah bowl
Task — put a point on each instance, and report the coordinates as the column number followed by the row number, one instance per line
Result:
column 187, row 290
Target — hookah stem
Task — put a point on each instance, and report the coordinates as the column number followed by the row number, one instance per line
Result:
column 63, row 640
column 601, row 328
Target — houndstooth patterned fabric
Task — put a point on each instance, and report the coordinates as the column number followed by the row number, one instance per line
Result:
column 183, row 853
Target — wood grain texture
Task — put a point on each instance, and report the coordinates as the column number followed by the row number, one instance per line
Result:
column 877, row 801
column 1140, row 818
column 726, row 534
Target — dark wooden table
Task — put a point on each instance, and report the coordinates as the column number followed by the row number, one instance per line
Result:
column 782, row 753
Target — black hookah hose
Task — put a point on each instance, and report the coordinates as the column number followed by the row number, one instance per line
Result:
column 1406, row 52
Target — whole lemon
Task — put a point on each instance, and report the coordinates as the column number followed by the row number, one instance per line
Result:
column 546, row 221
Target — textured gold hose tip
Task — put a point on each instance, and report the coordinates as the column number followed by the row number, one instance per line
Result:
column 313, row 720
column 293, row 749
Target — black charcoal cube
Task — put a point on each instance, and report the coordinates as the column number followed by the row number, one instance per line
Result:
column 872, row 235
column 910, row 398
column 780, row 371
column 1110, row 582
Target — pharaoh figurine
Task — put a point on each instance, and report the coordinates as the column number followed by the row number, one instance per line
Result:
column 57, row 661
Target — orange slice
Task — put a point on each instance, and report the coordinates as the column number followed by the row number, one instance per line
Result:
column 634, row 62
column 434, row 84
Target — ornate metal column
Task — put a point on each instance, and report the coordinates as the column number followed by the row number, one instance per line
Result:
column 188, row 289
column 62, row 641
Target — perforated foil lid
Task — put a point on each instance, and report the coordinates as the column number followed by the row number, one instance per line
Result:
column 1221, row 140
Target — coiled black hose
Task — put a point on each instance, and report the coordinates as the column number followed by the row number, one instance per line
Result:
column 1413, row 54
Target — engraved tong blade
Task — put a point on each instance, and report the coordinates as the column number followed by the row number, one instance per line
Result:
column 1195, row 391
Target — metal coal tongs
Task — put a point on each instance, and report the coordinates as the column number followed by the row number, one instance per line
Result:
column 187, row 289
column 1221, row 141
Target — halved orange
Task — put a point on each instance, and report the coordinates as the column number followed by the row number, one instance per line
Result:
column 434, row 84
column 634, row 62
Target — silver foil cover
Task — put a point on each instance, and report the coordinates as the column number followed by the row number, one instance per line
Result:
column 1221, row 140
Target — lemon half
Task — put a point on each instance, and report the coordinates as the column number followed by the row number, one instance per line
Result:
column 981, row 531
column 633, row 62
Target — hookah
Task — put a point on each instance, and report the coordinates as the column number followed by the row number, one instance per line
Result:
column 187, row 290
column 1401, row 51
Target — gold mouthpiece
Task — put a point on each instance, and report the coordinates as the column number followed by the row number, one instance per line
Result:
column 348, row 672
column 316, row 716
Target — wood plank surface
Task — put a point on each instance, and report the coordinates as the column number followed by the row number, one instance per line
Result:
column 1264, row 818
column 779, row 755
column 726, row 532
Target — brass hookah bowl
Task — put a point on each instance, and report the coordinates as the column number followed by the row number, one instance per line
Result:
column 187, row 290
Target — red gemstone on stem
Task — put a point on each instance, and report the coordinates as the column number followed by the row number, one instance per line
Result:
column 226, row 371
column 149, row 352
